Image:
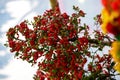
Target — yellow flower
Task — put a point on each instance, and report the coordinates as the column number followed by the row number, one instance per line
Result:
column 113, row 15
column 105, row 20
column 108, row 17
column 103, row 27
column 115, row 51
column 117, row 67
column 105, row 15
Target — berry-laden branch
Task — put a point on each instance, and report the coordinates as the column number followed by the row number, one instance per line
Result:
column 54, row 4
column 62, row 47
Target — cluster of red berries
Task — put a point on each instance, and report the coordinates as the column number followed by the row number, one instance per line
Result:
column 54, row 44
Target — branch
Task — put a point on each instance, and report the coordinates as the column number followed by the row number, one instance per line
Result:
column 54, row 4
column 94, row 41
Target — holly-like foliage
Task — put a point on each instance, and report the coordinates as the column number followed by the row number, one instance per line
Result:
column 62, row 47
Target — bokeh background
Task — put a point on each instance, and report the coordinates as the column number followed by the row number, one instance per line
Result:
column 12, row 12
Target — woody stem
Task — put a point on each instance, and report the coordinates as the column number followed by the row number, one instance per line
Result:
column 54, row 4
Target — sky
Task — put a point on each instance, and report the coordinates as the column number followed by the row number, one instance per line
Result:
column 12, row 12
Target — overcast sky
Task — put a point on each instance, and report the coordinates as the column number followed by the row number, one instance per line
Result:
column 13, row 12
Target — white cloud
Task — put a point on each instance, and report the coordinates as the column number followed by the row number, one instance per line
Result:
column 2, row 53
column 18, row 8
column 31, row 16
column 9, row 24
column 81, row 1
column 18, row 70
column 2, row 11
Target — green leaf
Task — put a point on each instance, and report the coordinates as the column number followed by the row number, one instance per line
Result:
column 118, row 55
column 112, row 64
column 6, row 45
column 118, row 37
column 65, row 78
column 30, row 61
column 16, row 54
column 54, row 71
column 51, row 62
column 76, row 8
